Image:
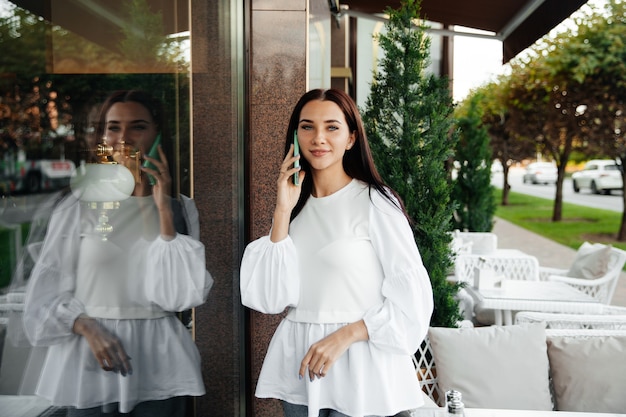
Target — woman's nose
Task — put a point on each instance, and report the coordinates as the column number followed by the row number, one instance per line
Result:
column 115, row 139
column 318, row 137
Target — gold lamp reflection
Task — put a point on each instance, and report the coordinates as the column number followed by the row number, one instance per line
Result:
column 101, row 186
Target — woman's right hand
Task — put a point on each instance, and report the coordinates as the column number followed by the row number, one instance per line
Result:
column 105, row 346
column 287, row 196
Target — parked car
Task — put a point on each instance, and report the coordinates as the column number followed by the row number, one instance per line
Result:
column 496, row 166
column 21, row 175
column 599, row 176
column 541, row 173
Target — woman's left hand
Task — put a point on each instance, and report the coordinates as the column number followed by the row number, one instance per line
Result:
column 161, row 193
column 324, row 353
column 162, row 187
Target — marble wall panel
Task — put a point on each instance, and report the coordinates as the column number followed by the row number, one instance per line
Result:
column 216, row 185
column 277, row 79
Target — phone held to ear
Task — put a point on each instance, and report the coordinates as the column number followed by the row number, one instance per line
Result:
column 153, row 153
column 296, row 152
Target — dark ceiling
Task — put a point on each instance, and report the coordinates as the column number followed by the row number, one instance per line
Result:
column 101, row 21
column 517, row 23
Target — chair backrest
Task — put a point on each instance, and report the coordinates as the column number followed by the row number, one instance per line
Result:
column 480, row 243
column 426, row 373
column 603, row 288
column 609, row 318
column 508, row 263
column 617, row 260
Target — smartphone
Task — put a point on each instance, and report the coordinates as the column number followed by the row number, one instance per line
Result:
column 296, row 152
column 153, row 153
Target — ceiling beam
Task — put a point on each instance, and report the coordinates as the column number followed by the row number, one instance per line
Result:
column 442, row 32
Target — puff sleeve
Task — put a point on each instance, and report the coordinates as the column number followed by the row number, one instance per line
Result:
column 401, row 322
column 50, row 307
column 176, row 274
column 269, row 275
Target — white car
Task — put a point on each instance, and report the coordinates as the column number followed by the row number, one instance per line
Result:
column 599, row 176
column 541, row 173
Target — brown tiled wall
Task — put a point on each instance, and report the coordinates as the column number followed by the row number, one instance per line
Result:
column 276, row 74
column 277, row 80
column 216, row 176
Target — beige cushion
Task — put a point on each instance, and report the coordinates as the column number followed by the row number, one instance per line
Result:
column 591, row 262
column 589, row 374
column 501, row 367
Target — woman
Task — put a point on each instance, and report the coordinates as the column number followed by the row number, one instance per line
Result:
column 106, row 304
column 342, row 258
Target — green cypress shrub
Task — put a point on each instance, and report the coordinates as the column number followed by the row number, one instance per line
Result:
column 473, row 191
column 410, row 128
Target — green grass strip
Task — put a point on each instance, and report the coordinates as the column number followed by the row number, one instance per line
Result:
column 579, row 223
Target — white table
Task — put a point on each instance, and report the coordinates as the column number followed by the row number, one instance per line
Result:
column 481, row 412
column 532, row 296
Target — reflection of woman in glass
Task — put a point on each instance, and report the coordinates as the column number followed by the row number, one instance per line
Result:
column 342, row 258
column 106, row 307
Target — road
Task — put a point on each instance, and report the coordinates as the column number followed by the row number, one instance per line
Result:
column 611, row 202
column 20, row 208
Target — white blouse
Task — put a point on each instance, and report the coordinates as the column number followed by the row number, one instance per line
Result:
column 132, row 283
column 348, row 256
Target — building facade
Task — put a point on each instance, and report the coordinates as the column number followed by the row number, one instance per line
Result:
column 229, row 73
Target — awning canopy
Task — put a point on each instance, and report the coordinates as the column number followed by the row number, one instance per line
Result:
column 517, row 23
column 101, row 21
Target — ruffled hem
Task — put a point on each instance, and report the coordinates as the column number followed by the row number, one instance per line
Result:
column 164, row 359
column 364, row 380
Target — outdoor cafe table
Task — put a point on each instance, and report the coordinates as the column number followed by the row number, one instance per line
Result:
column 482, row 412
column 545, row 296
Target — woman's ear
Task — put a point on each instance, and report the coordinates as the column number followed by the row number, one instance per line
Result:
column 351, row 141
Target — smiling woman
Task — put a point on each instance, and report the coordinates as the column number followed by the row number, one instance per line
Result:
column 66, row 59
column 341, row 257
column 110, row 275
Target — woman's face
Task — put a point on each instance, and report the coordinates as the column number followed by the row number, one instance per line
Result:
column 324, row 135
column 132, row 123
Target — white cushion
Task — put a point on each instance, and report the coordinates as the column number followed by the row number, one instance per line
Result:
column 591, row 262
column 589, row 374
column 501, row 367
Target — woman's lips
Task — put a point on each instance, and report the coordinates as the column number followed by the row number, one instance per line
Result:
column 318, row 153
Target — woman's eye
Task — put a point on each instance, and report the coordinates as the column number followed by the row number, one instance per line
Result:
column 305, row 127
column 333, row 128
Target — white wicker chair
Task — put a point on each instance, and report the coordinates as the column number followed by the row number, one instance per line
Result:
column 477, row 243
column 601, row 288
column 508, row 263
column 610, row 318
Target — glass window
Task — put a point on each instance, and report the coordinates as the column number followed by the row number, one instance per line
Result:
column 60, row 60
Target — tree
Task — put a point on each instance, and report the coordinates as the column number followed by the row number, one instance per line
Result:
column 44, row 112
column 496, row 104
column 596, row 59
column 472, row 187
column 571, row 94
column 408, row 122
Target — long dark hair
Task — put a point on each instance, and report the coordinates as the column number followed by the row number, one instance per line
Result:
column 357, row 161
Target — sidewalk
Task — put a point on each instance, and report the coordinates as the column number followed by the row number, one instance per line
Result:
column 548, row 252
